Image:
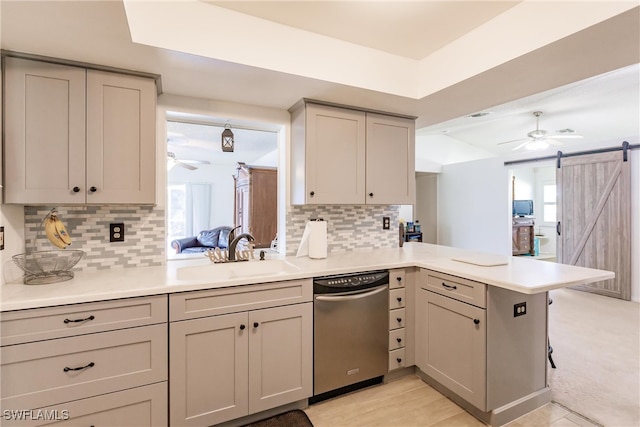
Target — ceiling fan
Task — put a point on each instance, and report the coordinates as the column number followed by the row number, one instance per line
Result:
column 539, row 139
column 187, row 164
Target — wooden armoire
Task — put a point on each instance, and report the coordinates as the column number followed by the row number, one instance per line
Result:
column 256, row 202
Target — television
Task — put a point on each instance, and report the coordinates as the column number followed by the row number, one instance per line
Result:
column 522, row 208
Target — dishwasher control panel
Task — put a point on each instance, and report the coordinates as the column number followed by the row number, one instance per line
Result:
column 350, row 282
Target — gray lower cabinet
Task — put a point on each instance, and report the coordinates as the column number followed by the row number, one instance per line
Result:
column 453, row 345
column 231, row 365
column 90, row 364
column 479, row 343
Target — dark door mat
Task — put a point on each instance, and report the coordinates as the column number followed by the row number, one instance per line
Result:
column 295, row 418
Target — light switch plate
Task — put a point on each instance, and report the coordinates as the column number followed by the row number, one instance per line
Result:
column 1, row 238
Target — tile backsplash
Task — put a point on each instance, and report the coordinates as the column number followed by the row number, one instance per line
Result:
column 88, row 226
column 348, row 226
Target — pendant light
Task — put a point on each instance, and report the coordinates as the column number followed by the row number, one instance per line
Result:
column 227, row 139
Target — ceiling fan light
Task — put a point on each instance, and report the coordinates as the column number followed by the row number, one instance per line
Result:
column 537, row 145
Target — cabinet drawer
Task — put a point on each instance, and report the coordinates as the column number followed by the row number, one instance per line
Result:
column 396, row 359
column 137, row 407
column 191, row 305
column 396, row 278
column 57, row 322
column 396, row 338
column 396, row 298
column 396, row 318
column 455, row 287
column 45, row 373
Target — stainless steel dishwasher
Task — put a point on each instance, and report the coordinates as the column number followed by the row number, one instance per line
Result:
column 351, row 332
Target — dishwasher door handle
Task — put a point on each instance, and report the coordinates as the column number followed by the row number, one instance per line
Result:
column 351, row 297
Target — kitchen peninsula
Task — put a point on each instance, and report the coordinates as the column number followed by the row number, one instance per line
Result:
column 133, row 307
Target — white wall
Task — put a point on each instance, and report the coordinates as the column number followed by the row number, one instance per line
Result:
column 473, row 206
column 426, row 210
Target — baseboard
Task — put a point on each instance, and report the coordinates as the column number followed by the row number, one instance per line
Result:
column 300, row 404
column 498, row 416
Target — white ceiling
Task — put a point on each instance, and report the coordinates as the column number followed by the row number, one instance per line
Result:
column 455, row 57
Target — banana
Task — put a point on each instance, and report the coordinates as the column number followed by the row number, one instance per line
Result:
column 52, row 232
column 62, row 232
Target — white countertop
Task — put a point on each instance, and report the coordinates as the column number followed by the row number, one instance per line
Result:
column 521, row 274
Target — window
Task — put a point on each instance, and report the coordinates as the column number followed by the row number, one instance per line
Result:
column 549, row 203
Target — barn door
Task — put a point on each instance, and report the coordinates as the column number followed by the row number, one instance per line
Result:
column 594, row 218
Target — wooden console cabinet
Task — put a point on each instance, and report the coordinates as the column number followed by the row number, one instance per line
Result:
column 522, row 236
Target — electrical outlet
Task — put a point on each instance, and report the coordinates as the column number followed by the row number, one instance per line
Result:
column 116, row 232
column 519, row 309
column 386, row 222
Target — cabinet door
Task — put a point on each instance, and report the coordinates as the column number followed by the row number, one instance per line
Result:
column 121, row 117
column 452, row 345
column 44, row 132
column 208, row 369
column 390, row 160
column 335, row 155
column 280, row 356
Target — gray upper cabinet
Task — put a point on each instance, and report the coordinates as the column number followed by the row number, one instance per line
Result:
column 344, row 155
column 75, row 135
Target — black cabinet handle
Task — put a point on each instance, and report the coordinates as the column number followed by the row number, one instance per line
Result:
column 76, row 189
column 399, row 339
column 399, row 279
column 449, row 287
column 256, row 324
column 90, row 365
column 92, row 189
column 399, row 319
column 370, row 194
column 399, row 299
column 476, row 321
column 86, row 319
column 313, row 193
column 242, row 327
column 558, row 228
column 399, row 359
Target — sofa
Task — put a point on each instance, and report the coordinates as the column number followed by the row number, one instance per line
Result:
column 207, row 239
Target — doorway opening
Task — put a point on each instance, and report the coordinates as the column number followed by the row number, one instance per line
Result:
column 536, row 184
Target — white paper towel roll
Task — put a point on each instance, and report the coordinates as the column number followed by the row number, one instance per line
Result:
column 318, row 239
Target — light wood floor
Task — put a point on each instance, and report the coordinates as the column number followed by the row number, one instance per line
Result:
column 408, row 401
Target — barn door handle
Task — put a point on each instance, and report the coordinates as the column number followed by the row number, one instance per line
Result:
column 558, row 228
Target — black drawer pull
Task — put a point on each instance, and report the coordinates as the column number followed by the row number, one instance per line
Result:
column 242, row 327
column 399, row 299
column 449, row 287
column 399, row 360
column 476, row 321
column 399, row 319
column 90, row 365
column 399, row 339
column 256, row 324
column 399, row 279
column 86, row 319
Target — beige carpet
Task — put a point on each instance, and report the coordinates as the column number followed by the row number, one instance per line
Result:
column 596, row 348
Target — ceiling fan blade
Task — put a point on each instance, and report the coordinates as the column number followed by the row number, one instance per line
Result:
column 186, row 166
column 521, row 145
column 195, row 162
column 514, row 140
column 565, row 136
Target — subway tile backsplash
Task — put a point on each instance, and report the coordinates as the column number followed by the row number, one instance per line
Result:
column 88, row 226
column 349, row 227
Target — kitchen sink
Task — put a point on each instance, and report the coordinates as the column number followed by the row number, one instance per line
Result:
column 234, row 270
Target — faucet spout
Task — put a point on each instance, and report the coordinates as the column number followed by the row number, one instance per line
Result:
column 234, row 244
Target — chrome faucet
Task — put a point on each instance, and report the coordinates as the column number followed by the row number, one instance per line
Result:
column 234, row 243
